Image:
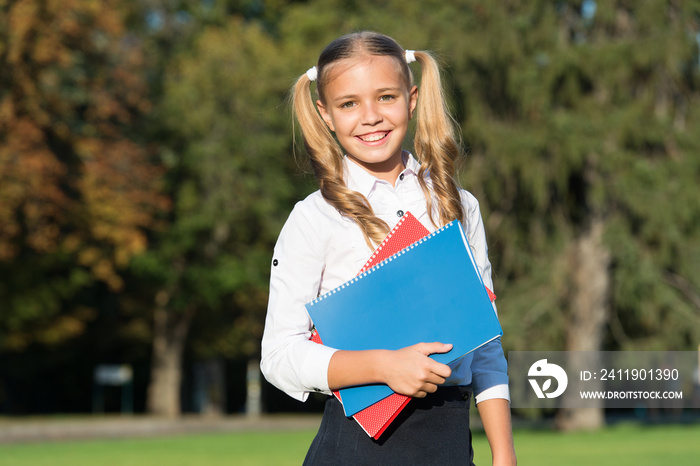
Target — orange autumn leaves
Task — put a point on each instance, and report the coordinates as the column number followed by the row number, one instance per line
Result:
column 73, row 179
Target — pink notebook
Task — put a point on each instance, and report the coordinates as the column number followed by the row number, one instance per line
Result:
column 376, row 418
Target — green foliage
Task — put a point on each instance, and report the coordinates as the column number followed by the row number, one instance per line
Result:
column 570, row 118
column 76, row 187
column 229, row 158
column 567, row 117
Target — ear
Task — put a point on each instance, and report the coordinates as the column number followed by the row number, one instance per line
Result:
column 412, row 101
column 325, row 115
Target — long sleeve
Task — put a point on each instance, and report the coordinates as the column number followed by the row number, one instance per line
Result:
column 320, row 249
column 290, row 361
column 489, row 369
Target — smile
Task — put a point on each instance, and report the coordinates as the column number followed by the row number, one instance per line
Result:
column 374, row 137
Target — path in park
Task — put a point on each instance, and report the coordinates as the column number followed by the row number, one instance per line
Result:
column 13, row 430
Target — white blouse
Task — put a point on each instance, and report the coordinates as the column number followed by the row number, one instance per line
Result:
column 318, row 250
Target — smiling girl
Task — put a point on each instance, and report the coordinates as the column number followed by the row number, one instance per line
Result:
column 354, row 133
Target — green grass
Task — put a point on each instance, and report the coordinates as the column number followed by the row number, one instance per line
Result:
column 617, row 446
column 621, row 445
column 240, row 449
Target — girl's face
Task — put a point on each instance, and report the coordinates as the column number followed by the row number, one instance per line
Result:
column 368, row 106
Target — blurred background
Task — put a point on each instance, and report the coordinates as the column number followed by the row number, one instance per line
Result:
column 148, row 162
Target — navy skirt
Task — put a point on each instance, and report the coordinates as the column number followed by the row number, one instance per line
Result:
column 430, row 430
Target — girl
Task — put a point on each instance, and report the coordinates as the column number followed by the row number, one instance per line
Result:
column 354, row 134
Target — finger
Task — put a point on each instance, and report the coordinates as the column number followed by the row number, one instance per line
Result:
column 439, row 369
column 430, row 388
column 436, row 380
column 442, row 370
column 434, row 347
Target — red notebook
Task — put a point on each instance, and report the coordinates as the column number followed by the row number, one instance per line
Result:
column 376, row 418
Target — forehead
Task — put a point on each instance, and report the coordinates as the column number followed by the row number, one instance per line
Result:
column 364, row 72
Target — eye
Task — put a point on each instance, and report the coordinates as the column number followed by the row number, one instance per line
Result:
column 387, row 98
column 348, row 104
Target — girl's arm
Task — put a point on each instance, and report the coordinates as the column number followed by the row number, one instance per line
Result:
column 408, row 371
column 489, row 367
column 495, row 415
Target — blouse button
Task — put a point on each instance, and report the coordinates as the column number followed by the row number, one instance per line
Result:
column 275, row 262
column 401, row 176
column 399, row 213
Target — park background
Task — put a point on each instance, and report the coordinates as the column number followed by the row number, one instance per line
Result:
column 148, row 162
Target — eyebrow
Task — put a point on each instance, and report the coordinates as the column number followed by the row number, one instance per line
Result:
column 344, row 97
column 379, row 91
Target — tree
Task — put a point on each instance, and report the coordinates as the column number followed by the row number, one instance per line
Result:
column 77, row 189
column 576, row 117
column 226, row 144
column 579, row 124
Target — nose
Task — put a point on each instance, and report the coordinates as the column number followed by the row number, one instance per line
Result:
column 371, row 114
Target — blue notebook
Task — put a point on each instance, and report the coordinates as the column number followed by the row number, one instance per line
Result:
column 430, row 291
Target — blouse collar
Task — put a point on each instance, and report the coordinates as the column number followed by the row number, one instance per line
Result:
column 360, row 180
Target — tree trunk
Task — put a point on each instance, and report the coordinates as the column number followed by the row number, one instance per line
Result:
column 169, row 335
column 209, row 391
column 253, row 402
column 587, row 317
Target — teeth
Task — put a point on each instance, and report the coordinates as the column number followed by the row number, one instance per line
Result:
column 373, row 138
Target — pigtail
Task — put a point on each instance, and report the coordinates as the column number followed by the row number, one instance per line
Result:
column 436, row 141
column 437, row 144
column 326, row 158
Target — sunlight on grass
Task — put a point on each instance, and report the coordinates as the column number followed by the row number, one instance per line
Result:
column 273, row 448
column 616, row 446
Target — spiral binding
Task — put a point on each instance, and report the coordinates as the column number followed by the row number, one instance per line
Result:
column 386, row 240
column 381, row 264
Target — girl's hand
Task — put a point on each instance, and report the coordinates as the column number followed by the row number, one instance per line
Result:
column 409, row 371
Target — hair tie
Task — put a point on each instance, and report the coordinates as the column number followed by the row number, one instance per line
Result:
column 312, row 73
column 410, row 56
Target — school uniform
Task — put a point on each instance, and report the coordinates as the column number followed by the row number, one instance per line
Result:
column 318, row 250
column 429, row 431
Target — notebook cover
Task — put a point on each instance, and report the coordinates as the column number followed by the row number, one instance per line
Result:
column 376, row 418
column 452, row 306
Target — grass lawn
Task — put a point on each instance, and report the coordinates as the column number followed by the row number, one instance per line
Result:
column 622, row 445
column 617, row 446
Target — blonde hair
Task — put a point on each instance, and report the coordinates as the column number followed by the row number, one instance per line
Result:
column 436, row 143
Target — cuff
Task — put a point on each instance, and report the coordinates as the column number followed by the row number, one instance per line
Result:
column 497, row 391
column 314, row 370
